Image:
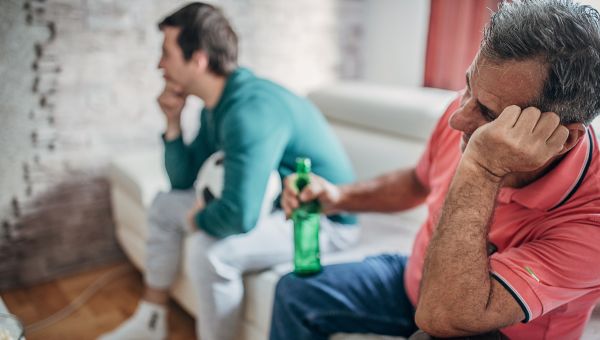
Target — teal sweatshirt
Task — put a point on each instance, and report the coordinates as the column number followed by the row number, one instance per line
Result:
column 261, row 127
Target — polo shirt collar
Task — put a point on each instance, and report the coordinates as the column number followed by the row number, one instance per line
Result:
column 556, row 187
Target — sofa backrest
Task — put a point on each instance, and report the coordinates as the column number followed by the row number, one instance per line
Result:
column 381, row 127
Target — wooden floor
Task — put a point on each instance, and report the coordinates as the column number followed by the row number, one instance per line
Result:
column 113, row 304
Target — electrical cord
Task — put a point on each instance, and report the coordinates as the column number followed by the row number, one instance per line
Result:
column 79, row 301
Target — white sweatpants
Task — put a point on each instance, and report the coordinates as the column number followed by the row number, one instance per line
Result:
column 215, row 266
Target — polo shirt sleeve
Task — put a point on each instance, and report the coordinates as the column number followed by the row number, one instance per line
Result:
column 424, row 164
column 559, row 267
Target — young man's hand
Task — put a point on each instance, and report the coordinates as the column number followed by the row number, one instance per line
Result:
column 191, row 216
column 328, row 194
column 517, row 141
column 171, row 102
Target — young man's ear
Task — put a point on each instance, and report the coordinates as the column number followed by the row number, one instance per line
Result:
column 200, row 60
column 576, row 133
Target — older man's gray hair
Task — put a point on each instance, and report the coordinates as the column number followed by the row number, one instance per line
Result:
column 563, row 35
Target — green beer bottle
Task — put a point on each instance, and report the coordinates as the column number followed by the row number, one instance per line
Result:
column 306, row 220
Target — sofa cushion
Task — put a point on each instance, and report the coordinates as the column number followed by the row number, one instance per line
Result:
column 403, row 111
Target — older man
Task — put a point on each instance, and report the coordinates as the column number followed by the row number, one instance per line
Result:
column 510, row 179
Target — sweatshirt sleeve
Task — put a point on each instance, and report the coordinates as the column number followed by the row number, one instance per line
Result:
column 254, row 140
column 182, row 161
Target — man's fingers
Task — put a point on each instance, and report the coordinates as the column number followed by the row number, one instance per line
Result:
column 289, row 184
column 558, row 138
column 549, row 130
column 528, row 119
column 287, row 206
column 174, row 88
column 171, row 101
column 191, row 219
column 311, row 192
column 289, row 190
column 289, row 199
column 546, row 125
column 171, row 104
column 510, row 115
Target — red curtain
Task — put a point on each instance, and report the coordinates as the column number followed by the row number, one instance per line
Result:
column 455, row 31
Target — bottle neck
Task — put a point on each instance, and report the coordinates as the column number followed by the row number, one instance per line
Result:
column 302, row 180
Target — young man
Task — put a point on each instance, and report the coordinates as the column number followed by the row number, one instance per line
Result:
column 510, row 179
column 261, row 127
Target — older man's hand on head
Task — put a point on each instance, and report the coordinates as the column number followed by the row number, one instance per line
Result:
column 518, row 141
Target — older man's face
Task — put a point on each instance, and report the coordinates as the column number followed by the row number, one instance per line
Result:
column 491, row 87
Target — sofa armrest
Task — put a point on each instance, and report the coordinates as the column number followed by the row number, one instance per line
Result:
column 141, row 175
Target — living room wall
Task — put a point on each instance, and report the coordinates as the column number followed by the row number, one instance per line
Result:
column 79, row 86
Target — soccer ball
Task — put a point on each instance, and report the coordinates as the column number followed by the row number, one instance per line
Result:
column 209, row 184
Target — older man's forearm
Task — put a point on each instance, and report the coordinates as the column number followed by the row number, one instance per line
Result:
column 455, row 287
column 392, row 192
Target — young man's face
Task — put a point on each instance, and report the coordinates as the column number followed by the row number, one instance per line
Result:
column 175, row 68
column 491, row 87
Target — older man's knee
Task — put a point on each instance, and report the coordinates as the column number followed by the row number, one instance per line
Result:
column 291, row 288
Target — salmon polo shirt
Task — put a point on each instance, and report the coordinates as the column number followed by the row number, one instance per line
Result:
column 544, row 238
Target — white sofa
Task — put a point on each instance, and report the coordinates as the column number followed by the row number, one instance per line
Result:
column 381, row 128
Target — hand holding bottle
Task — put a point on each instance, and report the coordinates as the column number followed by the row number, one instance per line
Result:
column 327, row 194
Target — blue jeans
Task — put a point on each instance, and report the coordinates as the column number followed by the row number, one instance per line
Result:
column 363, row 297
